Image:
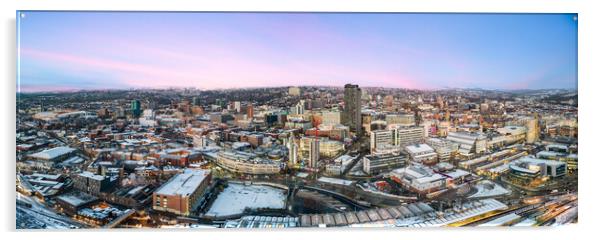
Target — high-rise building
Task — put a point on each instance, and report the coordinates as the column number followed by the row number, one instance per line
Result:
column 293, row 151
column 314, row 153
column 237, row 106
column 136, row 108
column 352, row 111
column 196, row 101
column 250, row 111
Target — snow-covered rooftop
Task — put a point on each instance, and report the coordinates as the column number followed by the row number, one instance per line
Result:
column 335, row 181
column 92, row 175
column 77, row 199
column 419, row 148
column 184, row 183
column 52, row 153
column 237, row 197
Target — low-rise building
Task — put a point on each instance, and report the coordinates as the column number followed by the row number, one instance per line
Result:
column 422, row 153
column 469, row 143
column 180, row 195
column 245, row 162
column 89, row 182
column 374, row 164
column 445, row 149
column 419, row 179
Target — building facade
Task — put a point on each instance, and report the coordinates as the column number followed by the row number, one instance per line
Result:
column 352, row 111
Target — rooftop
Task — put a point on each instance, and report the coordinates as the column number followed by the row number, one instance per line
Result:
column 419, row 148
column 335, row 181
column 92, row 176
column 184, row 183
column 77, row 198
column 52, row 153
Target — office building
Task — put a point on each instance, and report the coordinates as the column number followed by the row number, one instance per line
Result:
column 352, row 111
column 331, row 117
column 381, row 140
column 136, row 108
column 299, row 108
column 196, row 101
column 314, row 153
column 513, row 134
column 94, row 184
column 422, row 153
column 469, row 143
column 181, row 194
column 445, row 149
column 419, row 179
column 293, row 151
column 401, row 119
column 532, row 125
column 250, row 112
column 237, row 106
column 403, row 136
column 535, row 173
column 326, row 147
column 375, row 164
column 245, row 162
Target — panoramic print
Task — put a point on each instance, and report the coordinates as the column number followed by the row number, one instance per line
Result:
column 263, row 120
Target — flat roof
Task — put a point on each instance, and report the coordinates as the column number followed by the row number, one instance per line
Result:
column 418, row 148
column 92, row 175
column 52, row 153
column 457, row 173
column 184, row 183
column 77, row 199
column 335, row 181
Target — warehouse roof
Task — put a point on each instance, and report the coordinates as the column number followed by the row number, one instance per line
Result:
column 184, row 183
column 52, row 153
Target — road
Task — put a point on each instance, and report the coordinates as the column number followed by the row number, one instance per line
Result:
column 42, row 216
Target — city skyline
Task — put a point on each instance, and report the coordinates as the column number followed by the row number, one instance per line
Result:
column 66, row 51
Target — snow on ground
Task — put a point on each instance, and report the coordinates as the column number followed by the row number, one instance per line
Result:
column 525, row 223
column 28, row 219
column 39, row 216
column 487, row 188
column 236, row 197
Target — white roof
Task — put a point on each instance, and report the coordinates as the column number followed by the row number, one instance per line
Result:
column 335, row 181
column 431, row 178
column 77, row 199
column 419, row 148
column 344, row 158
column 184, row 183
column 92, row 175
column 52, row 153
column 457, row 173
column 532, row 160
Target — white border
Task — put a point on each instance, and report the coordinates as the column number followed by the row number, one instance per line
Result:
column 589, row 111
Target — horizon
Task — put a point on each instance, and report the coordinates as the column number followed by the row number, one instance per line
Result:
column 275, row 87
column 87, row 51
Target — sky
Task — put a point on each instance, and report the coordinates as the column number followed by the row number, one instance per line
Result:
column 66, row 51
